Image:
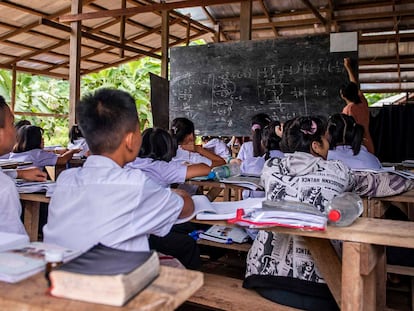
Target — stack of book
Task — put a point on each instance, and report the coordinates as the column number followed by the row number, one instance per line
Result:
column 105, row 275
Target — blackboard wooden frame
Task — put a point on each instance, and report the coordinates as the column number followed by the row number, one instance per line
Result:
column 220, row 86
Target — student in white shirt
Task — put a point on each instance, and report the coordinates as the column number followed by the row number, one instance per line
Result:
column 217, row 146
column 10, row 207
column 77, row 141
column 29, row 147
column 154, row 159
column 182, row 131
column 104, row 202
column 345, row 138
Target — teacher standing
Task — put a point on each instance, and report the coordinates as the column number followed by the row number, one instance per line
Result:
column 356, row 105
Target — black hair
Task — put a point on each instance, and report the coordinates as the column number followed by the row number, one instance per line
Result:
column 157, row 144
column 343, row 130
column 180, row 128
column 21, row 123
column 300, row 132
column 3, row 109
column 75, row 133
column 258, row 123
column 29, row 137
column 350, row 92
column 105, row 117
column 270, row 140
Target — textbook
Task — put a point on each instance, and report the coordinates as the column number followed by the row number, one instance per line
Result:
column 206, row 210
column 23, row 261
column 105, row 275
column 24, row 186
column 248, row 181
column 289, row 214
column 223, row 234
column 12, row 240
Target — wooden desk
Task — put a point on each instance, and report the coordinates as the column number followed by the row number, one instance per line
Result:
column 31, row 206
column 376, row 207
column 167, row 292
column 358, row 283
column 216, row 187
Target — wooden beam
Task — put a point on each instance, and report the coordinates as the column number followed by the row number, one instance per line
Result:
column 122, row 31
column 145, row 9
column 266, row 13
column 100, row 39
column 246, row 20
column 165, row 43
column 74, row 63
column 315, row 11
column 13, row 89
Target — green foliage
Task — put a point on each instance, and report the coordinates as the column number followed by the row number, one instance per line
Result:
column 372, row 98
column 39, row 94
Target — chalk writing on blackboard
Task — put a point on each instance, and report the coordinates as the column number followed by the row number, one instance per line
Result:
column 220, row 86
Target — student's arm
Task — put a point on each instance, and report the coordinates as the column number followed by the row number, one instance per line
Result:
column 188, row 207
column 348, row 68
column 31, row 174
column 64, row 158
column 196, row 170
column 215, row 159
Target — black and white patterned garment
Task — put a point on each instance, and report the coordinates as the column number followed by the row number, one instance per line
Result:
column 297, row 177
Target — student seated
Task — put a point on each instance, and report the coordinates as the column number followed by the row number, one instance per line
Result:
column 77, row 141
column 279, row 266
column 216, row 145
column 103, row 201
column 345, row 139
column 10, row 207
column 154, row 159
column 29, row 148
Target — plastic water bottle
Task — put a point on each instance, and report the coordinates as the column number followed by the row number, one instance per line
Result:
column 224, row 171
column 344, row 209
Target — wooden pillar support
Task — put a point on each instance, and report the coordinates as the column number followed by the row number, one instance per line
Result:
column 13, row 88
column 246, row 20
column 165, row 33
column 74, row 62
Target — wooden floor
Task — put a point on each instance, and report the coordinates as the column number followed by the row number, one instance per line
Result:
column 232, row 264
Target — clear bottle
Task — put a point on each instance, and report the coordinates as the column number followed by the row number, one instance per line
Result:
column 224, row 171
column 53, row 258
column 344, row 209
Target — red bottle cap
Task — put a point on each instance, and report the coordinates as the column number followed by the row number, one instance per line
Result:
column 334, row 215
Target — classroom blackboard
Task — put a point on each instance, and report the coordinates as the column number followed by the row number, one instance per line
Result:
column 220, row 86
column 159, row 101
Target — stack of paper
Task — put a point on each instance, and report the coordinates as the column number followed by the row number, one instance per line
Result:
column 35, row 186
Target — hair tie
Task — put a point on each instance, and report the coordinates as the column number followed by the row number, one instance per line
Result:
column 312, row 130
column 174, row 130
column 256, row 127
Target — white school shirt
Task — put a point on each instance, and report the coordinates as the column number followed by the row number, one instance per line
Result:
column 79, row 144
column 39, row 157
column 5, row 156
column 246, row 151
column 218, row 147
column 104, row 203
column 363, row 160
column 162, row 172
column 190, row 157
column 10, row 207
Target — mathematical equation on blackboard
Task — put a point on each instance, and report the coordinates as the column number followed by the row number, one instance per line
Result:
column 220, row 96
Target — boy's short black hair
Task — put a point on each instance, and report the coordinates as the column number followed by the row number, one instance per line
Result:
column 104, row 118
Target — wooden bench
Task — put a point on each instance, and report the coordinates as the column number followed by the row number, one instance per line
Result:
column 358, row 282
column 227, row 293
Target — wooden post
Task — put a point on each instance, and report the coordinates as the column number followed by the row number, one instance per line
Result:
column 13, row 89
column 74, row 62
column 246, row 20
column 165, row 33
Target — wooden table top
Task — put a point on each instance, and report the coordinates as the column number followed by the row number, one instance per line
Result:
column 172, row 287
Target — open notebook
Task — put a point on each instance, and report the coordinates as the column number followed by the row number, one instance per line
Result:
column 205, row 210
